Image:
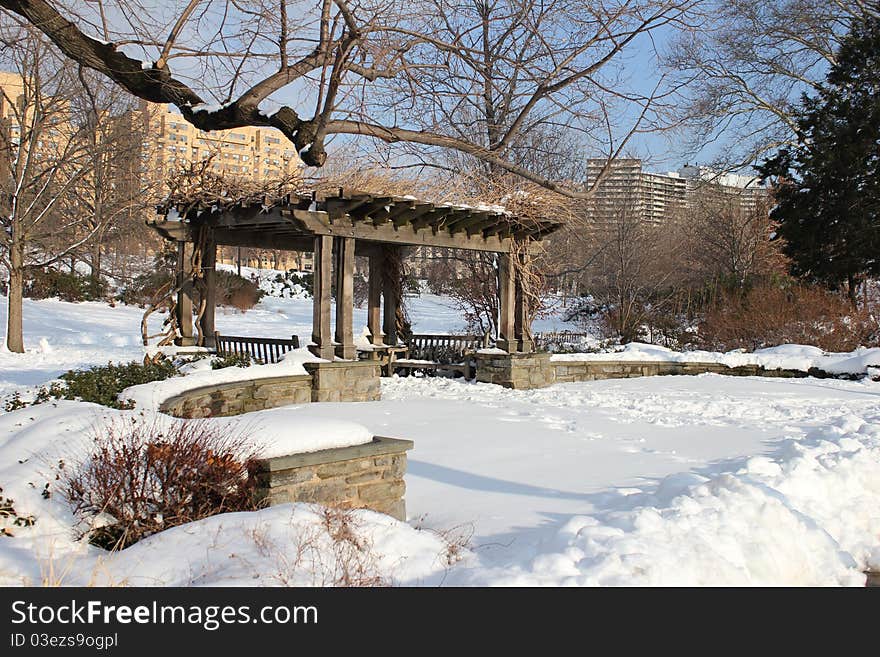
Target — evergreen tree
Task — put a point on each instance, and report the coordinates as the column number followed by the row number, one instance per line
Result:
column 828, row 193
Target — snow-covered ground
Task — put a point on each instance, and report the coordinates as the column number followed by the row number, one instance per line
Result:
column 704, row 480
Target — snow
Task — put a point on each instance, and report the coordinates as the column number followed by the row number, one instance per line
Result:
column 210, row 108
column 273, row 282
column 689, row 480
column 296, row 435
column 269, row 108
column 788, row 356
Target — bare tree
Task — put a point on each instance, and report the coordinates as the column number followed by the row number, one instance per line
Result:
column 376, row 68
column 43, row 159
column 632, row 273
column 747, row 64
column 111, row 199
column 729, row 240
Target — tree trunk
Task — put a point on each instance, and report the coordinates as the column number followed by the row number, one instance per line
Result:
column 95, row 276
column 852, row 289
column 14, row 337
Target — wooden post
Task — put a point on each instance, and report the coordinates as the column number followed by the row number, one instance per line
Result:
column 209, row 266
column 374, row 300
column 345, row 298
column 184, row 296
column 521, row 328
column 507, row 305
column 323, row 345
column 389, row 291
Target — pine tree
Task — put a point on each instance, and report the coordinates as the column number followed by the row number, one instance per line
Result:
column 828, row 193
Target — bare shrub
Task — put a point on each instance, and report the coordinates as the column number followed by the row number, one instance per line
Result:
column 141, row 478
column 769, row 315
column 334, row 552
column 237, row 291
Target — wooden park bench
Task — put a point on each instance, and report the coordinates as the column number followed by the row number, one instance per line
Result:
column 432, row 353
column 262, row 350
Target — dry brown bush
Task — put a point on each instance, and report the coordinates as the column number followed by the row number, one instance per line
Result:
column 769, row 315
column 141, row 478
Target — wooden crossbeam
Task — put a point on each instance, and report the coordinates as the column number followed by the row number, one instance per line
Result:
column 431, row 218
column 339, row 207
column 420, row 210
column 319, row 224
column 472, row 219
column 497, row 226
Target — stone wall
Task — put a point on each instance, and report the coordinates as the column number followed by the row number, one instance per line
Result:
column 345, row 381
column 519, row 371
column 366, row 476
column 570, row 371
column 239, row 397
column 526, row 371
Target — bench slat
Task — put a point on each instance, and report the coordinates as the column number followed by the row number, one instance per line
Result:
column 266, row 350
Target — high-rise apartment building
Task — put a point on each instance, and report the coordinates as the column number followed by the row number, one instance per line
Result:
column 626, row 187
column 660, row 197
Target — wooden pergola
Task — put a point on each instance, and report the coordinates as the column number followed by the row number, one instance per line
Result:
column 336, row 227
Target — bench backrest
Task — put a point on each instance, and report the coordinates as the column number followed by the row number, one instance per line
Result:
column 442, row 348
column 263, row 350
column 553, row 340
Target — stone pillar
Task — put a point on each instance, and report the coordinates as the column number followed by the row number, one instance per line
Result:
column 369, row 476
column 184, row 296
column 345, row 298
column 519, row 371
column 390, row 274
column 323, row 344
column 209, row 265
column 374, row 300
column 507, row 304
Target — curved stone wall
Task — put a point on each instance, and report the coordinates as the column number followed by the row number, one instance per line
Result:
column 239, row 397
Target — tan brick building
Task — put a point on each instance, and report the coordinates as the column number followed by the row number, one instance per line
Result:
column 247, row 152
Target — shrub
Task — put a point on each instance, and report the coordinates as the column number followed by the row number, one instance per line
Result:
column 102, row 384
column 231, row 360
column 49, row 283
column 232, row 289
column 143, row 478
column 769, row 315
column 9, row 515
